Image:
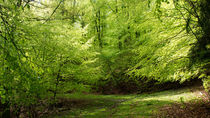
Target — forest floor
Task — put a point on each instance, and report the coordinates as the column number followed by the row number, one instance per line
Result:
column 171, row 104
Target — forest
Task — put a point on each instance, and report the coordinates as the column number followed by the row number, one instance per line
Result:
column 104, row 58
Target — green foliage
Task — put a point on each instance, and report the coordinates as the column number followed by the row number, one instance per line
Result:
column 206, row 82
column 53, row 47
column 166, row 55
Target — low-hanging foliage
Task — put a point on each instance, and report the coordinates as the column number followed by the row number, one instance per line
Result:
column 53, row 47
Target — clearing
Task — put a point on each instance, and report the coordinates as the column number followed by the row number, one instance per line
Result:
column 124, row 106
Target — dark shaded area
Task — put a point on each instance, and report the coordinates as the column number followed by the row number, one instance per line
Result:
column 44, row 108
column 200, row 51
column 64, row 105
column 142, row 86
column 4, row 111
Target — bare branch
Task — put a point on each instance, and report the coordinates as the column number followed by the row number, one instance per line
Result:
column 54, row 10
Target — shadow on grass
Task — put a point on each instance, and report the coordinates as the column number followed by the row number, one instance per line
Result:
column 110, row 109
column 120, row 106
column 68, row 107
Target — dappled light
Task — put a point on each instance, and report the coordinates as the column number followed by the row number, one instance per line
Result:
column 104, row 58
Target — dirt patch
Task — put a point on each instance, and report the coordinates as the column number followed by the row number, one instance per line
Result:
column 193, row 109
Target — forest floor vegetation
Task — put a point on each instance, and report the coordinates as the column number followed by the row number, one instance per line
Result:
column 185, row 102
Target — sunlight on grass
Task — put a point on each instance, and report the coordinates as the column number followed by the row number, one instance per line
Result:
column 122, row 106
column 173, row 96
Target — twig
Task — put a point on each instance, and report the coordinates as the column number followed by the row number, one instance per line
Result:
column 54, row 10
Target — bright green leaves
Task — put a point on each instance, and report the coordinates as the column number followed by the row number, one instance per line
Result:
column 87, row 42
column 165, row 53
column 164, row 48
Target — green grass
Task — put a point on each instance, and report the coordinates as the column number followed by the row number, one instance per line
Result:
column 123, row 106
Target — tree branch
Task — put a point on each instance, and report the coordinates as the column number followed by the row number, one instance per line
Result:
column 54, row 10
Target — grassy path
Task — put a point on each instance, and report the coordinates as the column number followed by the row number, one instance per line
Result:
column 123, row 106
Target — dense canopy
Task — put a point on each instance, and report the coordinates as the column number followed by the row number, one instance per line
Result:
column 51, row 47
